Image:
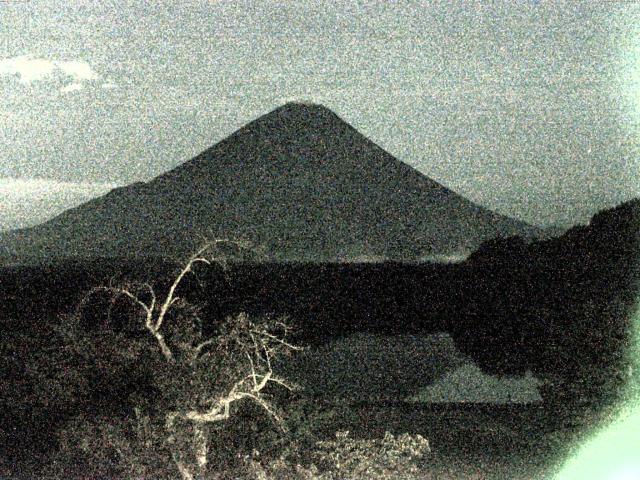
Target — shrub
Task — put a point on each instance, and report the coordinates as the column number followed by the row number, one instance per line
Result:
column 346, row 458
column 390, row 457
column 111, row 447
column 196, row 380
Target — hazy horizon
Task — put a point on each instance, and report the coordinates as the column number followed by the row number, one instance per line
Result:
column 30, row 202
column 529, row 108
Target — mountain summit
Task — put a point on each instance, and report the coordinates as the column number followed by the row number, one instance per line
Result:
column 299, row 181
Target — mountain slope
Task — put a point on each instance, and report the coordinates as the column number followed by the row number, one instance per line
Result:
column 299, row 181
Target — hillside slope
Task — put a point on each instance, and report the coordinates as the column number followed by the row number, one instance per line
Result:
column 299, row 181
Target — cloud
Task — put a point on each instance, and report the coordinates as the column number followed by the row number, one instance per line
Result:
column 109, row 86
column 27, row 202
column 27, row 68
column 23, row 188
column 31, row 70
column 78, row 70
column 73, row 87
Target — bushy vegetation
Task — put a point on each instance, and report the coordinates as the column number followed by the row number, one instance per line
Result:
column 169, row 398
column 133, row 389
column 144, row 388
column 346, row 458
column 110, row 447
column 403, row 456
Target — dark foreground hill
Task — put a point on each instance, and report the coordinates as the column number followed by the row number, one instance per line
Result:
column 298, row 181
column 564, row 306
column 557, row 307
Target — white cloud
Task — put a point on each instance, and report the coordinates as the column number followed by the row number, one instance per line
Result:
column 23, row 188
column 73, row 87
column 448, row 258
column 27, row 202
column 109, row 86
column 30, row 69
column 78, row 70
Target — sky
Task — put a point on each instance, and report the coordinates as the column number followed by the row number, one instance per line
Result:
column 528, row 107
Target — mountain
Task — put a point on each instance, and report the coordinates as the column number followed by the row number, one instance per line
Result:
column 299, row 181
column 562, row 306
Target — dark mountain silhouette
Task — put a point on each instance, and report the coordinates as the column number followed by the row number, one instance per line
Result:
column 563, row 306
column 299, row 181
column 560, row 308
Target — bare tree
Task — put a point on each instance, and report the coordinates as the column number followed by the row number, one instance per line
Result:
column 204, row 375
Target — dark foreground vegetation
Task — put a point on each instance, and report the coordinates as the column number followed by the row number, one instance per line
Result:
column 80, row 399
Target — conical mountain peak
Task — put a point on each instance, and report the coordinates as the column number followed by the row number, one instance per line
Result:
column 292, row 140
column 298, row 181
column 301, row 115
column 304, row 106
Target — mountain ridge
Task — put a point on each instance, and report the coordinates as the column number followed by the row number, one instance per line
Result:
column 299, row 180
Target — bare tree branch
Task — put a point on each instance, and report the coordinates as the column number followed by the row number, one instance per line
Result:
column 198, row 349
column 280, row 381
column 197, row 257
column 200, row 400
column 253, row 371
column 277, row 339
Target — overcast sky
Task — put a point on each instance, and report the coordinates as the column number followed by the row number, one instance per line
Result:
column 531, row 108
